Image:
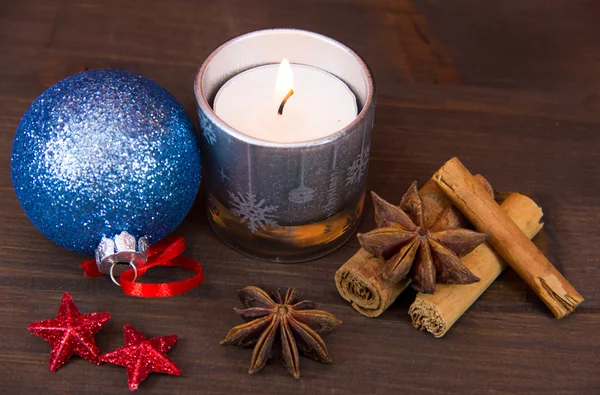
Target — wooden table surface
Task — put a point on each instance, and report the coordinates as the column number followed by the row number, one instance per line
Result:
column 512, row 88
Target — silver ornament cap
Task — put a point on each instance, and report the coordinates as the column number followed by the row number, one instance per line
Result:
column 123, row 248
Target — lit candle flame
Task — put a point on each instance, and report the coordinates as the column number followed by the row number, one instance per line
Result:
column 285, row 80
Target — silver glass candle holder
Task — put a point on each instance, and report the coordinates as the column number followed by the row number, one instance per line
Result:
column 284, row 202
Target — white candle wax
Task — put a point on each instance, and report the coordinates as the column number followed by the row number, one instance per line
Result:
column 321, row 104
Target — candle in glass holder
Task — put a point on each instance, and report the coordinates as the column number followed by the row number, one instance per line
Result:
column 286, row 103
column 287, row 152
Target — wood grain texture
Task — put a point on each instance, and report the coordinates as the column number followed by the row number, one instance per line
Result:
column 527, row 120
column 533, row 44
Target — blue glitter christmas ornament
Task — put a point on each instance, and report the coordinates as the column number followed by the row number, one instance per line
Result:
column 101, row 152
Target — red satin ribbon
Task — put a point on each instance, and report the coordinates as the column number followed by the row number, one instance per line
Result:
column 163, row 253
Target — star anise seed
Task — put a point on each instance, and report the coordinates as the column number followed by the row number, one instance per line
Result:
column 410, row 249
column 295, row 324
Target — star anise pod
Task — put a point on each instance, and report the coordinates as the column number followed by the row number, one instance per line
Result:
column 295, row 324
column 410, row 249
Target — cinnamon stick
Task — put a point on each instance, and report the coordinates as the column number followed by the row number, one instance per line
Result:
column 506, row 238
column 436, row 313
column 360, row 282
column 360, row 279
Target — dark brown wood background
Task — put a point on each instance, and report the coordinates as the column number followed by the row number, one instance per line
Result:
column 511, row 87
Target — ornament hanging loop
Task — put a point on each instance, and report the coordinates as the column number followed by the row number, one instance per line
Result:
column 112, row 275
column 164, row 253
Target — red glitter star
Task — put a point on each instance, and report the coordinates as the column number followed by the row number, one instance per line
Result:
column 142, row 356
column 70, row 333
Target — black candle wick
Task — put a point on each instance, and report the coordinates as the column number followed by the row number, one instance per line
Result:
column 285, row 99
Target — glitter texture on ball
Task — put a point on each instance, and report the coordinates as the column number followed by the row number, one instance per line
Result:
column 101, row 152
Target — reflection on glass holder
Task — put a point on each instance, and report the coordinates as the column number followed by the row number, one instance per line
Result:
column 285, row 243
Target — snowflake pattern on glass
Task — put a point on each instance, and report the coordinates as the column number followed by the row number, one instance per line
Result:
column 256, row 214
column 357, row 169
column 207, row 130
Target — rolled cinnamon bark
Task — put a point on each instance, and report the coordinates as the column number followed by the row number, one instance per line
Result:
column 359, row 280
column 436, row 313
column 506, row 238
